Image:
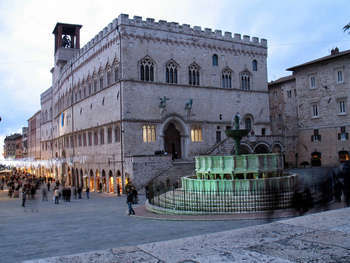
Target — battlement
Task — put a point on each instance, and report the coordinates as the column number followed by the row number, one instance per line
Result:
column 124, row 19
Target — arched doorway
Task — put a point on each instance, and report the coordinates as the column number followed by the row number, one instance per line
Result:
column 98, row 183
column 110, row 182
column 76, row 177
column 119, row 183
column 172, row 141
column 261, row 148
column 343, row 156
column 316, row 159
column 104, row 182
column 81, row 179
column 92, row 181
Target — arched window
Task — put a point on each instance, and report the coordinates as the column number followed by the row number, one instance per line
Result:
column 255, row 65
column 116, row 74
column 215, row 60
column 109, row 77
column 193, row 74
column 226, row 78
column 147, row 69
column 245, row 81
column 248, row 123
column 102, row 136
column 171, row 72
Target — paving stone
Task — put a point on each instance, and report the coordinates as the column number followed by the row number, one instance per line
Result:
column 334, row 238
column 302, row 251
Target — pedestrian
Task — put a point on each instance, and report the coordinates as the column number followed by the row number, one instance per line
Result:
column 79, row 192
column 118, row 189
column 129, row 201
column 74, row 189
column 44, row 193
column 56, row 194
column 87, row 192
column 24, row 194
column 69, row 194
column 134, row 193
column 48, row 186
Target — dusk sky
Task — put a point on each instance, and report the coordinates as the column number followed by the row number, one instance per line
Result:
column 297, row 31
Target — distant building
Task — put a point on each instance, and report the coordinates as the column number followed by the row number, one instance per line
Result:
column 284, row 115
column 34, row 136
column 13, row 146
column 25, row 142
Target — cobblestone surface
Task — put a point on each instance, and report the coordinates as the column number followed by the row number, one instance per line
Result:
column 88, row 225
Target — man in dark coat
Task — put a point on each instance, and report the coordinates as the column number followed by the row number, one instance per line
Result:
column 129, row 201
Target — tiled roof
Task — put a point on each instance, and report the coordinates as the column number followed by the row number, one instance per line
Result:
column 329, row 57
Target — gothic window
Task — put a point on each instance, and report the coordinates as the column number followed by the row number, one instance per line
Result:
column 95, row 85
column 109, row 135
column 79, row 139
column 149, row 133
column 226, row 79
column 90, row 88
column 109, row 77
column 312, row 82
column 171, row 72
column 102, row 136
column 215, row 60
column 116, row 74
column 339, row 76
column 90, row 138
column 95, row 138
column 193, row 74
column 84, row 139
column 117, row 133
column 255, row 65
column 147, row 69
column 101, row 82
column 245, row 81
column 196, row 134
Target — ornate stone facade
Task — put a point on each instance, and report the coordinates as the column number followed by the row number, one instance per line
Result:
column 141, row 93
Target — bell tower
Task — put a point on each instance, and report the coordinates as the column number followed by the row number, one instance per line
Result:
column 67, row 41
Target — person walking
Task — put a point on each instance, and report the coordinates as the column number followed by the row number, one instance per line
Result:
column 79, row 192
column 44, row 193
column 24, row 195
column 87, row 192
column 56, row 194
column 48, row 186
column 129, row 201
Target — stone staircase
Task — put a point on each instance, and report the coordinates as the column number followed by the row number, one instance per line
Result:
column 172, row 175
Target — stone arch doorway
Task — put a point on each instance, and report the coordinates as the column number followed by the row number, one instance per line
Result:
column 98, row 183
column 119, row 183
column 172, row 141
column 104, row 181
column 261, row 148
column 316, row 159
column 110, row 182
column 91, row 180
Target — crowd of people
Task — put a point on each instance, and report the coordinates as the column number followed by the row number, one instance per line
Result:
column 26, row 187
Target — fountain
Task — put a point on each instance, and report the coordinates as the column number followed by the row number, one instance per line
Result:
column 229, row 184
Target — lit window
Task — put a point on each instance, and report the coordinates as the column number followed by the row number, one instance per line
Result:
column 149, row 133
column 226, row 79
column 312, row 82
column 341, row 106
column 340, row 76
column 193, row 74
column 147, row 69
column 215, row 60
column 315, row 110
column 171, row 72
column 245, row 81
column 196, row 134
column 255, row 65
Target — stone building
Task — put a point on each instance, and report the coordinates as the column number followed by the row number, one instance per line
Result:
column 142, row 95
column 284, row 116
column 34, row 137
column 13, row 146
column 323, row 122
column 25, row 142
